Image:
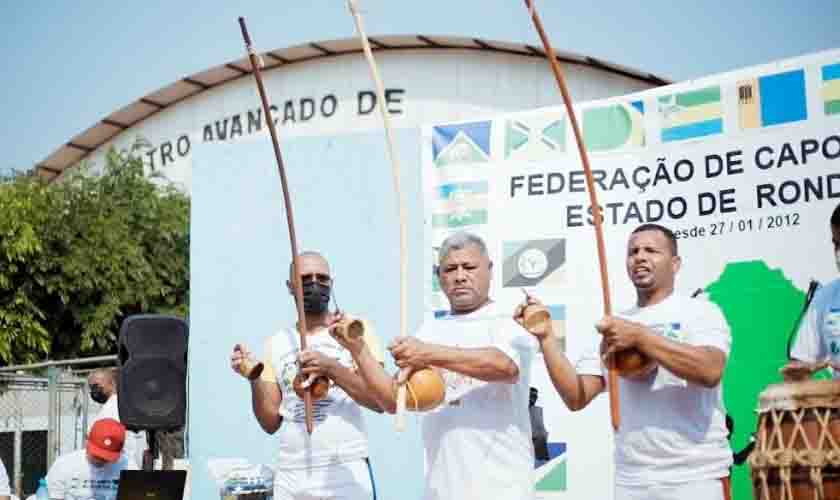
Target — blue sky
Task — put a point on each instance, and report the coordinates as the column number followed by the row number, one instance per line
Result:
column 69, row 64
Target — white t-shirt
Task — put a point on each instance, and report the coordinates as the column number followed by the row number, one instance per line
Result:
column 72, row 477
column 135, row 442
column 339, row 433
column 477, row 443
column 819, row 334
column 672, row 431
column 5, row 490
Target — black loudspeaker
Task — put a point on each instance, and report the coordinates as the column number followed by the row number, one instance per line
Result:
column 152, row 391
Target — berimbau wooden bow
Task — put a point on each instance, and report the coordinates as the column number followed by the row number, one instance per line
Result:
column 256, row 64
column 593, row 200
column 395, row 170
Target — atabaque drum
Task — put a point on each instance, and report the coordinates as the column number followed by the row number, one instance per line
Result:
column 797, row 452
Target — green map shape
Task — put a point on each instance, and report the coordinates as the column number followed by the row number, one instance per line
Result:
column 761, row 306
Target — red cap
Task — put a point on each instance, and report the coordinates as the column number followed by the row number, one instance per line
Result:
column 106, row 439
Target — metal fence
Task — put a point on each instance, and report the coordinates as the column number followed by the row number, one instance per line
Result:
column 44, row 410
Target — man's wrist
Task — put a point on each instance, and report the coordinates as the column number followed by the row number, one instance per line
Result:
column 362, row 353
column 434, row 354
column 331, row 367
column 548, row 341
column 641, row 337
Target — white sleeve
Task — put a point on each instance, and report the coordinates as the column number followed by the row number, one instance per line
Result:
column 711, row 329
column 513, row 341
column 808, row 345
column 5, row 490
column 590, row 362
column 57, row 480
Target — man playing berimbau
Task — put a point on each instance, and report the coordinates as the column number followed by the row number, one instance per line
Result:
column 477, row 443
column 672, row 441
column 332, row 463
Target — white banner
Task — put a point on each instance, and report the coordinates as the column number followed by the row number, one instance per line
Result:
column 744, row 167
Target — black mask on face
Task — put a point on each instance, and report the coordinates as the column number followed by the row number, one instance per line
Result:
column 316, row 297
column 98, row 394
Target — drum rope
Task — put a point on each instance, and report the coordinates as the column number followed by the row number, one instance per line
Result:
column 817, row 483
column 764, row 487
column 787, row 491
column 799, row 450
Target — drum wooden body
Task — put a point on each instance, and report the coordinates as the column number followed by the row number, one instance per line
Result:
column 797, row 452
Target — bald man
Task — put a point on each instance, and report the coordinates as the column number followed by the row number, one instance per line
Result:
column 332, row 463
column 103, row 384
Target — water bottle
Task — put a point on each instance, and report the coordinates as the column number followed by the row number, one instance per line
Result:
column 41, row 493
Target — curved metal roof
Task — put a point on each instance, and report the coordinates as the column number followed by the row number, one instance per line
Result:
column 128, row 116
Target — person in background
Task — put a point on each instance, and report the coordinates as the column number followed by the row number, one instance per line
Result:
column 104, row 389
column 93, row 472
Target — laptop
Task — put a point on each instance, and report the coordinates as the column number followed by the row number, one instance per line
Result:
column 151, row 485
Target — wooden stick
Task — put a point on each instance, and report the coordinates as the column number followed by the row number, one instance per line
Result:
column 395, row 170
column 255, row 65
column 615, row 413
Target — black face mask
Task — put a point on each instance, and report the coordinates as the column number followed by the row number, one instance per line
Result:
column 316, row 297
column 97, row 394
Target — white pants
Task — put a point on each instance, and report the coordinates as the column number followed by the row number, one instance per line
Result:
column 347, row 481
column 709, row 489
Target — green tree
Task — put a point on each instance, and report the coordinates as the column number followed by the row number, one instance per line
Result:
column 79, row 255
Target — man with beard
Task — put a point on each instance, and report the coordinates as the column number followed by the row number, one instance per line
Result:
column 333, row 461
column 672, row 441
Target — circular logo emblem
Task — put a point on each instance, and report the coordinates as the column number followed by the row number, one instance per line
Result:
column 532, row 263
column 108, row 441
column 460, row 151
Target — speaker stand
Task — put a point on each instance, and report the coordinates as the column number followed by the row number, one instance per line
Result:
column 152, row 452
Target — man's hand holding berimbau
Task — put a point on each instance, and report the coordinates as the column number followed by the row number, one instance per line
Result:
column 535, row 318
column 314, row 364
column 409, row 352
column 619, row 334
column 355, row 344
column 244, row 363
